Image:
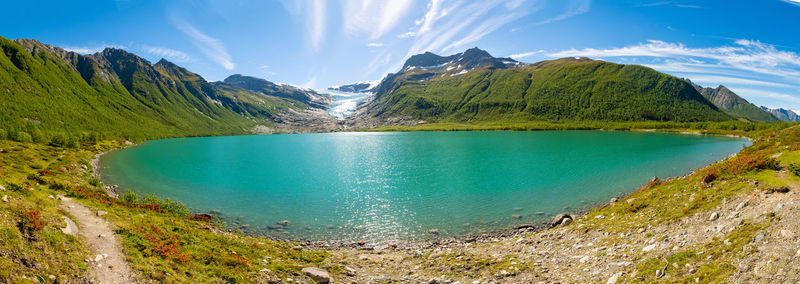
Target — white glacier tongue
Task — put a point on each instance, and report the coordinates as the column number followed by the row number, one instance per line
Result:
column 344, row 103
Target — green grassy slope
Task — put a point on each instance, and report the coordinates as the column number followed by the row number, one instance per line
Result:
column 564, row 89
column 47, row 92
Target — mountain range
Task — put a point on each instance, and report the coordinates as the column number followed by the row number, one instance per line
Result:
column 46, row 89
column 474, row 86
column 783, row 114
column 733, row 104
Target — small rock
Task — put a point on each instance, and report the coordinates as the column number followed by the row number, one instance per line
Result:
column 52, row 277
column 51, row 197
column 779, row 207
column 2, row 188
column 283, row 223
column 349, row 271
column 613, row 279
column 101, row 213
column 566, row 221
column 641, row 230
column 274, row 227
column 760, row 236
column 361, row 242
column 517, row 209
column 600, row 217
column 613, row 200
column 434, row 231
column 649, row 248
column 741, row 205
column 5, row 198
column 98, row 258
column 713, row 216
column 559, row 218
column 319, row 275
column 515, row 216
column 101, row 236
column 659, row 273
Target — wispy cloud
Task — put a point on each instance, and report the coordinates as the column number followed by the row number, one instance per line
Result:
column 795, row 2
column 524, row 54
column 211, row 47
column 173, row 54
column 752, row 69
column 374, row 18
column 746, row 55
column 313, row 13
column 374, row 44
column 576, row 7
column 90, row 49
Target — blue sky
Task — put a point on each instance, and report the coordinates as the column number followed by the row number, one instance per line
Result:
column 752, row 47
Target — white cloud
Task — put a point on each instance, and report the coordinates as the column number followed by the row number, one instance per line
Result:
column 211, row 47
column 374, row 44
column 484, row 29
column 264, row 66
column 407, row 35
column 317, row 24
column 524, row 54
column 795, row 2
column 713, row 80
column 93, row 48
column 313, row 12
column 750, row 56
column 164, row 52
column 374, row 18
column 576, row 7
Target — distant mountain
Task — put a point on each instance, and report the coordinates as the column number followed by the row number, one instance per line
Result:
column 428, row 65
column 733, row 104
column 783, row 114
column 258, row 85
column 474, row 86
column 46, row 89
column 360, row 87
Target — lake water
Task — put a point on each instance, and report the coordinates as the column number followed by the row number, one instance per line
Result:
column 383, row 187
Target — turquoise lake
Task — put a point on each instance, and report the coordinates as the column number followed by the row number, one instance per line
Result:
column 388, row 186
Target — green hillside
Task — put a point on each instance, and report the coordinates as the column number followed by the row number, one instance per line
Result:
column 564, row 89
column 47, row 92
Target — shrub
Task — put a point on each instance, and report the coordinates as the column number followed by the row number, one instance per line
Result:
column 95, row 182
column 31, row 221
column 795, row 168
column 15, row 187
column 3, row 134
column 63, row 140
column 751, row 161
column 129, row 197
column 22, row 136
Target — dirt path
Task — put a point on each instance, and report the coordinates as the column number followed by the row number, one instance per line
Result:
column 108, row 263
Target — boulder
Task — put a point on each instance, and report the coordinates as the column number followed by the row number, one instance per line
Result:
column 515, row 216
column 566, row 221
column 560, row 218
column 101, row 213
column 318, row 275
column 71, row 228
column 283, row 223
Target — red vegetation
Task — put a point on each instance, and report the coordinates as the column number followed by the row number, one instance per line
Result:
column 200, row 217
column 160, row 242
